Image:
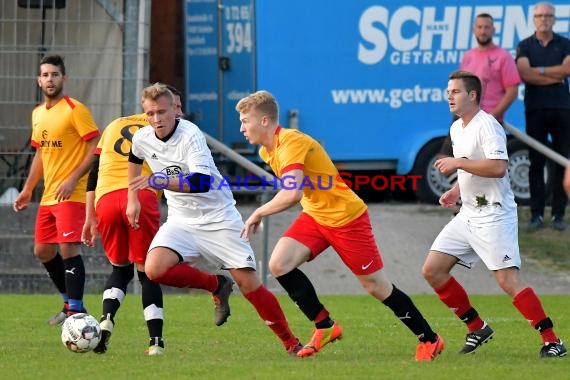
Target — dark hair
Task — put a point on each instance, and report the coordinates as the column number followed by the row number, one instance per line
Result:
column 471, row 82
column 485, row 15
column 55, row 60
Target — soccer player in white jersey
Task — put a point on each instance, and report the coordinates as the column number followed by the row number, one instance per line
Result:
column 203, row 225
column 486, row 228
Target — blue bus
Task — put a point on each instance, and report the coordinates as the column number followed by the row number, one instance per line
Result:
column 366, row 78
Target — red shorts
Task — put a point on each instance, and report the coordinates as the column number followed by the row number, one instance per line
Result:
column 354, row 242
column 60, row 223
column 122, row 243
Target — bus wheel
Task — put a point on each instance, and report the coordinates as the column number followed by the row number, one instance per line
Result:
column 518, row 167
column 433, row 183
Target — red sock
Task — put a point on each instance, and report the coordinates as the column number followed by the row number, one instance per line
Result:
column 454, row 296
column 322, row 315
column 270, row 311
column 185, row 276
column 528, row 304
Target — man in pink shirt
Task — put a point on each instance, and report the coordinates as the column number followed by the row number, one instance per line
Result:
column 495, row 67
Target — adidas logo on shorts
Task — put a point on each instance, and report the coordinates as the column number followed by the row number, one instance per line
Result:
column 249, row 258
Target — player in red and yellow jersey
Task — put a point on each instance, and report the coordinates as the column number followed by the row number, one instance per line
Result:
column 333, row 215
column 124, row 247
column 327, row 199
column 65, row 136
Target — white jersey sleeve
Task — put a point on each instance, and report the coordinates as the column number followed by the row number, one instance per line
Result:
column 184, row 153
column 494, row 142
column 199, row 156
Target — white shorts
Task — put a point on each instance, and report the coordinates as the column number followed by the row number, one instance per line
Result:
column 209, row 247
column 497, row 246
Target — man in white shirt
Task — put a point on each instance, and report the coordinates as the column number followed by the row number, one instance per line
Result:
column 203, row 225
column 486, row 227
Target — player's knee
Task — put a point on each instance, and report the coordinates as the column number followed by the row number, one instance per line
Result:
column 370, row 287
column 246, row 280
column 44, row 255
column 153, row 273
column 510, row 281
column 507, row 287
column 377, row 285
column 429, row 274
column 278, row 268
column 510, row 287
column 426, row 271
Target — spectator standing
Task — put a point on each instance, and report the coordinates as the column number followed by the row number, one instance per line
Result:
column 494, row 66
column 543, row 61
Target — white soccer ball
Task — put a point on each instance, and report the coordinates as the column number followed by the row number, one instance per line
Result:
column 80, row 333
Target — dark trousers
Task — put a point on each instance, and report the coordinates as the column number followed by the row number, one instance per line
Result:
column 539, row 125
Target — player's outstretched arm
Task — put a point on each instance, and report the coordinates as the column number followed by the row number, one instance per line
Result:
column 89, row 232
column 133, row 204
column 290, row 194
column 67, row 186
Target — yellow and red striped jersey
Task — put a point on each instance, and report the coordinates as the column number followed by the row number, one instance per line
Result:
column 113, row 150
column 61, row 134
column 325, row 196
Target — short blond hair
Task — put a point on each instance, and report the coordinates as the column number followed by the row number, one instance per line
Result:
column 261, row 101
column 155, row 91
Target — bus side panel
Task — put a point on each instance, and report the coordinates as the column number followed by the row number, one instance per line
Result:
column 369, row 78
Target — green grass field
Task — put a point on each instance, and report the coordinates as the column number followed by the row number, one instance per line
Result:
column 375, row 344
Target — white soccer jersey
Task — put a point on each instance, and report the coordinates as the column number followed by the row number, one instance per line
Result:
column 186, row 152
column 485, row 201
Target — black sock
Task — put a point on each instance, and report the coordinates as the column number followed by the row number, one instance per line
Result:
column 156, row 341
column 56, row 271
column 469, row 316
column 408, row 313
column 302, row 292
column 152, row 295
column 75, row 282
column 325, row 323
column 112, row 299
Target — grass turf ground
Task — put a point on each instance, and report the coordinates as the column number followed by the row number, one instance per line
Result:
column 375, row 344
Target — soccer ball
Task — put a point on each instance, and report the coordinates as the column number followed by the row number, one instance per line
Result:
column 80, row 333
